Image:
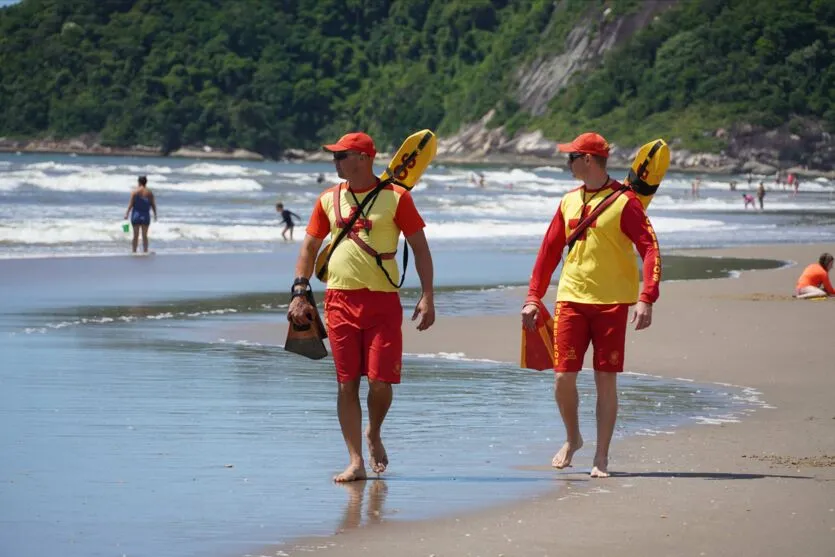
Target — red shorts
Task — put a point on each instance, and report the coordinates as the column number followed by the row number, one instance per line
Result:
column 575, row 325
column 364, row 329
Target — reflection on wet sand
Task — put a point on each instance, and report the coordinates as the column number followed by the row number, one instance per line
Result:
column 377, row 491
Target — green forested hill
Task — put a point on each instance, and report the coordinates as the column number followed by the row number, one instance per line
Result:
column 271, row 75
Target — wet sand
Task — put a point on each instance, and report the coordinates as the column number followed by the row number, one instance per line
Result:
column 765, row 486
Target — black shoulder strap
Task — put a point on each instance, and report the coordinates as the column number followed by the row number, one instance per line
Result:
column 383, row 183
column 586, row 222
column 351, row 222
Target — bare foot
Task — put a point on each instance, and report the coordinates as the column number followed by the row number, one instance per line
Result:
column 352, row 473
column 563, row 457
column 377, row 456
column 600, row 468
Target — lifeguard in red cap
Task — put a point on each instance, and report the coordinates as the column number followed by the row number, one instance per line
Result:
column 362, row 303
column 599, row 282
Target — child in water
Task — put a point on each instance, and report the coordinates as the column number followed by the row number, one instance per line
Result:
column 287, row 218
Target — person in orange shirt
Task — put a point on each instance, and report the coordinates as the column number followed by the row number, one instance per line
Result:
column 362, row 305
column 599, row 282
column 814, row 282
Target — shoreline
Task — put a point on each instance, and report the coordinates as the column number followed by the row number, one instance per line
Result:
column 763, row 486
column 77, row 148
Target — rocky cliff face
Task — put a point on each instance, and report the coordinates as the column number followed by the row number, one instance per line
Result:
column 539, row 81
column 802, row 146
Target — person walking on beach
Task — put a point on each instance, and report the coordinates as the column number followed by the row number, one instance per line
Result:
column 362, row 304
column 814, row 282
column 761, row 194
column 599, row 282
column 287, row 219
column 139, row 209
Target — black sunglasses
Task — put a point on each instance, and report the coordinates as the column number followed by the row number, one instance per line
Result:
column 574, row 156
column 340, row 155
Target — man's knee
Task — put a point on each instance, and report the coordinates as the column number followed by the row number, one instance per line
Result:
column 565, row 380
column 606, row 381
column 349, row 388
column 375, row 386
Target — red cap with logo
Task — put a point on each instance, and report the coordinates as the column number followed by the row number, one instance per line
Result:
column 587, row 143
column 357, row 141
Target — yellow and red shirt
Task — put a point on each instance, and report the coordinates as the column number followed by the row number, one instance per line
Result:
column 815, row 275
column 350, row 266
column 601, row 268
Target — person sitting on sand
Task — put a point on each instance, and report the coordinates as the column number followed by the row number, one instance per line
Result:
column 814, row 282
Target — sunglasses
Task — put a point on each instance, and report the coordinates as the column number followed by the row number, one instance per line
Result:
column 574, row 156
column 340, row 155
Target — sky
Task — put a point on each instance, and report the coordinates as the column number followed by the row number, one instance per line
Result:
column 8, row 2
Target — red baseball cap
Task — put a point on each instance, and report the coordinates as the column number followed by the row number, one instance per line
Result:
column 358, row 141
column 586, row 143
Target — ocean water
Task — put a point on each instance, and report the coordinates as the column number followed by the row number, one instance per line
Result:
column 130, row 427
column 64, row 205
column 126, row 432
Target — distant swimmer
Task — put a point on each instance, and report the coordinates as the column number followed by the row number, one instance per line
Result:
column 287, row 218
column 761, row 194
column 814, row 282
column 320, row 179
column 139, row 209
column 749, row 200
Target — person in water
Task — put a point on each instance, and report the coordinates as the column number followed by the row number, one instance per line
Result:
column 139, row 210
column 599, row 282
column 362, row 304
column 287, row 218
column 814, row 282
column 761, row 194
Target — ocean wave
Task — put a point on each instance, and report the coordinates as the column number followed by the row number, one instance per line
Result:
column 215, row 169
column 97, row 181
column 454, row 356
column 736, row 204
column 53, row 166
column 502, row 229
column 126, row 319
column 68, row 231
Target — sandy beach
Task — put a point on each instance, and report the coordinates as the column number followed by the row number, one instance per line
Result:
column 764, row 486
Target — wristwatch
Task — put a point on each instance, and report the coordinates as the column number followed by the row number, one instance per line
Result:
column 295, row 291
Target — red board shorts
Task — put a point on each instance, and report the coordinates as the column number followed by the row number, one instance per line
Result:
column 364, row 329
column 575, row 325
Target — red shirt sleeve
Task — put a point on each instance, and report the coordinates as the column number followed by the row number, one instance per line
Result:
column 406, row 216
column 319, row 225
column 548, row 258
column 635, row 223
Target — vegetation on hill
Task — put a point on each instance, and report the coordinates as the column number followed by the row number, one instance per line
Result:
column 267, row 76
